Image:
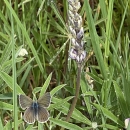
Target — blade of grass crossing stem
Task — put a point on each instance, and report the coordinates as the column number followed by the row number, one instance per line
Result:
column 95, row 40
column 46, row 84
column 29, row 42
column 15, row 114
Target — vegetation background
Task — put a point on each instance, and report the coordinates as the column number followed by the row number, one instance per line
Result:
column 40, row 26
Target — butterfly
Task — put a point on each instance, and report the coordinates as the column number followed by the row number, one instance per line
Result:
column 35, row 110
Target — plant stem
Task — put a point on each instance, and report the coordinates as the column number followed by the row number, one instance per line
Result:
column 14, row 80
column 76, row 93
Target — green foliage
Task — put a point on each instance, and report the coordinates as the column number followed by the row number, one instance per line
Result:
column 41, row 28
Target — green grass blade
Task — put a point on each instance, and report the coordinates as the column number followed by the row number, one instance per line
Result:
column 109, row 114
column 6, row 96
column 8, row 126
column 59, row 102
column 23, row 79
column 30, row 127
column 108, row 29
column 65, row 124
column 1, row 125
column 8, row 80
column 14, row 80
column 29, row 42
column 58, row 52
column 6, row 106
column 55, row 9
column 103, row 8
column 121, row 99
column 95, row 40
column 46, row 84
column 56, row 89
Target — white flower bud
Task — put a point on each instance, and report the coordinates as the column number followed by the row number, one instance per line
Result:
column 70, row 7
column 79, row 23
column 75, row 1
column 77, row 6
column 71, row 21
column 80, row 18
column 82, row 43
column 127, row 121
column 83, row 55
column 76, row 17
column 23, row 52
column 80, row 33
column 74, row 43
column 94, row 125
column 80, row 58
column 72, row 31
column 71, row 14
column 72, row 53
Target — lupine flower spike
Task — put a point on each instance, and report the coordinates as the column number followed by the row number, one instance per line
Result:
column 76, row 51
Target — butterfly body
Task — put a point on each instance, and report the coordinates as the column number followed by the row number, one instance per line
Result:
column 35, row 107
column 35, row 110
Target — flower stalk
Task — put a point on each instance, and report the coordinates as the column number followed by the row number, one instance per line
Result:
column 76, row 51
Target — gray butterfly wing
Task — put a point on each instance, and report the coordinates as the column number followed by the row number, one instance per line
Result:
column 25, row 101
column 42, row 115
column 29, row 115
column 45, row 100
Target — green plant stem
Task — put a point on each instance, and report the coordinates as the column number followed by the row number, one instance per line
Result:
column 15, row 114
column 76, row 93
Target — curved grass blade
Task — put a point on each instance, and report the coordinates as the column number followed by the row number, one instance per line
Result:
column 65, row 124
